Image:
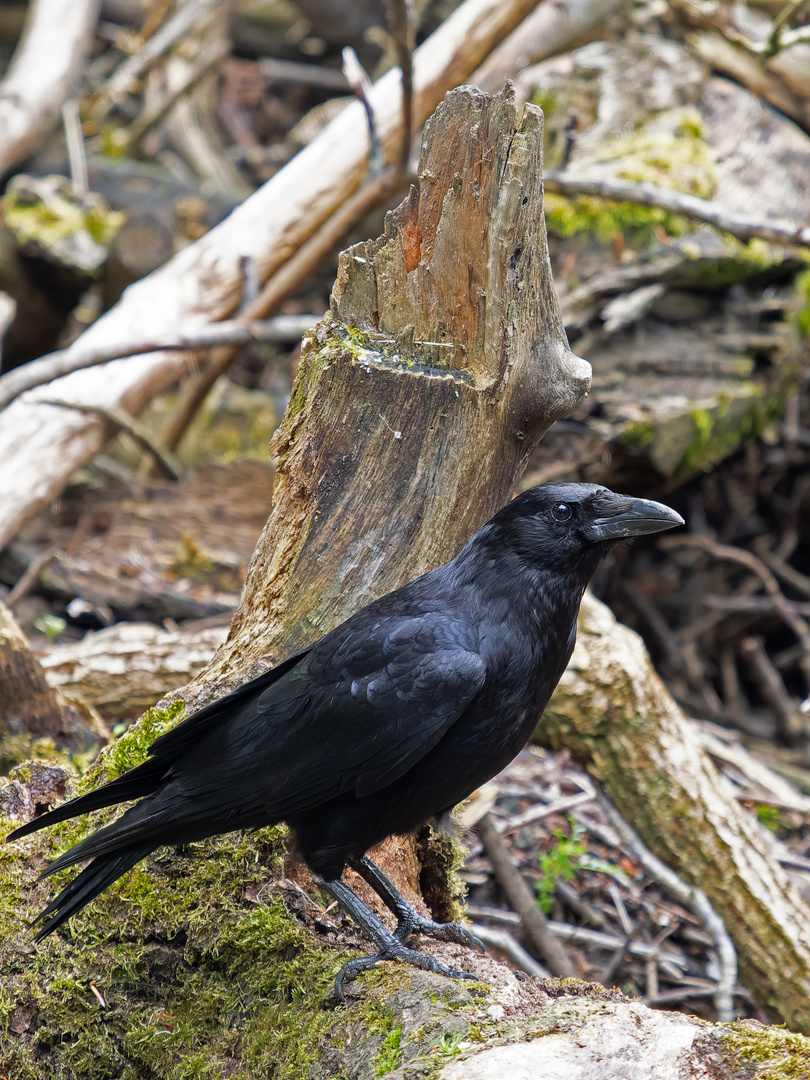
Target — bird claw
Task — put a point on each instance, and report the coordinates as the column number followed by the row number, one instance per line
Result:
column 353, row 968
column 451, row 931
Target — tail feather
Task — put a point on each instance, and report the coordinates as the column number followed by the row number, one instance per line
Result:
column 148, row 777
column 143, row 780
column 101, row 872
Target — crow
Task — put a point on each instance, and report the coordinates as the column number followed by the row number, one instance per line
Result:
column 385, row 723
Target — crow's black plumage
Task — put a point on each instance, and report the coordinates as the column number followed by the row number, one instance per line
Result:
column 386, row 722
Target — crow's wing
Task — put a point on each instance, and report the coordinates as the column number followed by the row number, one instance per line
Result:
column 357, row 712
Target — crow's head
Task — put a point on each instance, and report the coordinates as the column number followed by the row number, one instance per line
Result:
column 571, row 526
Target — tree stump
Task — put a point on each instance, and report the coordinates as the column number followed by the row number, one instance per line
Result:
column 420, row 397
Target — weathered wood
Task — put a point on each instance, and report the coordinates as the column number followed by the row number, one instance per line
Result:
column 618, row 719
column 124, row 669
column 29, row 706
column 419, row 399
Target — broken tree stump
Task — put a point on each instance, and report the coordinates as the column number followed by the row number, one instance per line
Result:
column 420, row 397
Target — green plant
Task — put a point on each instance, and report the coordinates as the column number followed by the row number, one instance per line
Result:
column 51, row 626
column 565, row 857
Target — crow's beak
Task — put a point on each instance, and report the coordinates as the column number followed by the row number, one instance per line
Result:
column 634, row 517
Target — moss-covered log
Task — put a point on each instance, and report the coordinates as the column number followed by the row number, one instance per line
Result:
column 616, row 716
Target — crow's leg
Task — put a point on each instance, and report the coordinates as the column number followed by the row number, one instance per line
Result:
column 410, row 921
column 390, row 947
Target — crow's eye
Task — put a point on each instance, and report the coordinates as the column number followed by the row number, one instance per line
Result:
column 561, row 512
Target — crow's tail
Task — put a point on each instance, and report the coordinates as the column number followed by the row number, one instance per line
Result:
column 102, row 871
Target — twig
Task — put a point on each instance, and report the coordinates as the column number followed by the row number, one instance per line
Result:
column 783, row 570
column 292, row 71
column 401, row 30
column 776, row 42
column 169, row 466
column 742, row 226
column 693, row 898
column 582, row 935
column 210, row 57
column 74, row 139
column 543, row 810
column 772, row 688
column 241, row 331
column 520, row 897
column 30, row 575
column 752, row 605
column 512, row 950
column 360, row 84
column 746, row 558
column 134, row 67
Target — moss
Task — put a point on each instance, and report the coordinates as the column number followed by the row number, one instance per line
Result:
column 638, row 435
column 202, row 969
column 777, row 1054
column 52, row 220
column 719, row 432
column 671, row 157
column 390, row 1053
column 803, row 314
column 22, row 746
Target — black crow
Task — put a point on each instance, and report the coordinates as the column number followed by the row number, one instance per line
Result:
column 386, row 722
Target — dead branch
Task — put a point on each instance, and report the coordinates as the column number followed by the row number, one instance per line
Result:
column 743, row 226
column 235, row 332
column 693, row 898
column 42, row 74
column 520, row 897
column 551, row 29
column 614, row 714
column 135, row 66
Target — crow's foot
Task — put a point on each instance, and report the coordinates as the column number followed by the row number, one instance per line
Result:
column 409, row 921
column 413, row 923
column 395, row 951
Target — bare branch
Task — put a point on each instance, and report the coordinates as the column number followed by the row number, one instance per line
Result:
column 521, row 899
column 693, row 898
column 676, row 202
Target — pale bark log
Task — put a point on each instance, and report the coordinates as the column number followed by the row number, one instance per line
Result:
column 42, row 74
column 616, row 716
column 551, row 29
column 605, row 1038
column 40, row 447
column 125, row 669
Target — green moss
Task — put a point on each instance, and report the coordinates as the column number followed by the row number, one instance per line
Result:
column 638, row 435
column 721, row 431
column 776, row 1053
column 803, row 293
column 676, row 157
column 21, row 747
column 203, row 971
column 390, row 1053
column 47, row 222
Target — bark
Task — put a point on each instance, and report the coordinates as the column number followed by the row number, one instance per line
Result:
column 421, row 396
column 42, row 74
column 30, row 708
column 40, row 447
column 616, row 716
